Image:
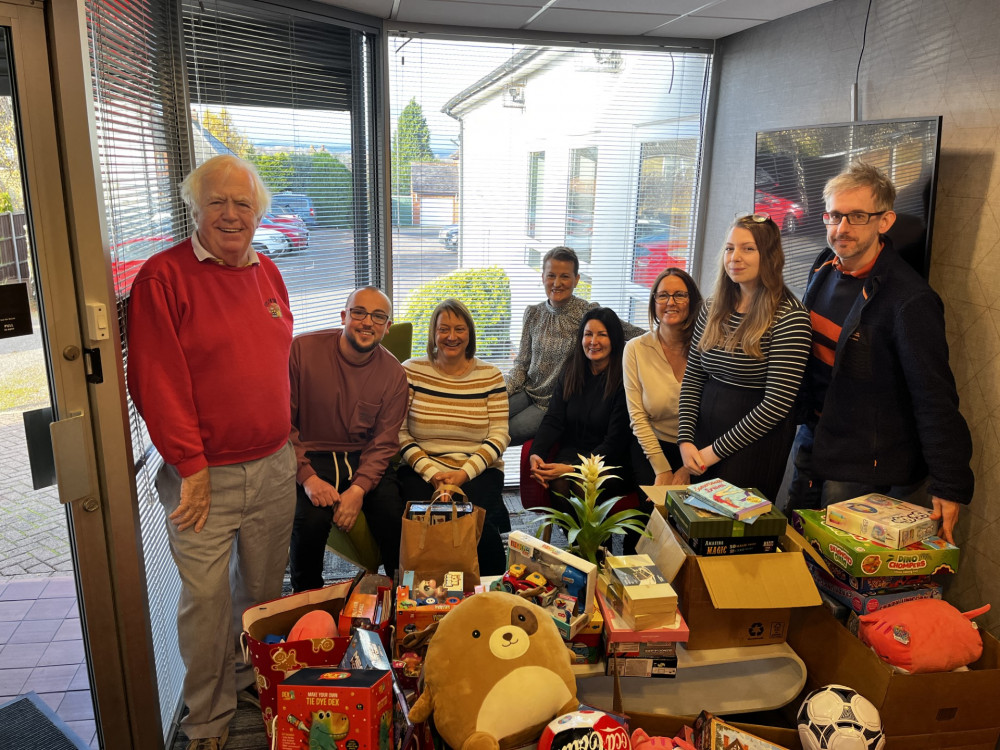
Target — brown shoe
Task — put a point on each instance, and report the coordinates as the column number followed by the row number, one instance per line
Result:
column 210, row 743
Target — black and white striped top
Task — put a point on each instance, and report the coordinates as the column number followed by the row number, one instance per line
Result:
column 786, row 346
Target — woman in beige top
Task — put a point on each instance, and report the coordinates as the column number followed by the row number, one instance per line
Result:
column 654, row 368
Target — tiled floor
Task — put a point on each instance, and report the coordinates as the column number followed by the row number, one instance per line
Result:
column 41, row 650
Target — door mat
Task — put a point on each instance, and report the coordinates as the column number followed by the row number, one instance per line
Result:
column 29, row 724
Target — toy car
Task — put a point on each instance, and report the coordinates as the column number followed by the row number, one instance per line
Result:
column 517, row 579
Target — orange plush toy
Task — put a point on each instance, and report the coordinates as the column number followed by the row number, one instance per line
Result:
column 926, row 635
column 495, row 668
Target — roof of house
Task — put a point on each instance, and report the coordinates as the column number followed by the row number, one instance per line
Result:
column 434, row 177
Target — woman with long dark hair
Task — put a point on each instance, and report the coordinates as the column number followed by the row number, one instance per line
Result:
column 750, row 347
column 587, row 413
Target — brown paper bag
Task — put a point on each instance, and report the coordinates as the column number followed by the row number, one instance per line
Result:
column 431, row 550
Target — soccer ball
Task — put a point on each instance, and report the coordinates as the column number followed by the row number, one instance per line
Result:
column 838, row 718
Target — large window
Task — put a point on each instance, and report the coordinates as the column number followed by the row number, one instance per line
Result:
column 547, row 145
column 295, row 95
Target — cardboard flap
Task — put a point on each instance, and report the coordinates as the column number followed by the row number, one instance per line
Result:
column 792, row 540
column 661, row 546
column 658, row 493
column 766, row 581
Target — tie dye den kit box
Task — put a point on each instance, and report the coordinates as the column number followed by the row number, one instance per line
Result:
column 883, row 519
column 327, row 708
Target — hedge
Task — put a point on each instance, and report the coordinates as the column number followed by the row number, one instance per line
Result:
column 485, row 291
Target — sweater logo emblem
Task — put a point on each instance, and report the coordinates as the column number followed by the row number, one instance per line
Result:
column 273, row 307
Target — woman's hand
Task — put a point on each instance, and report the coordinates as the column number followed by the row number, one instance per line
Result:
column 663, row 479
column 693, row 460
column 457, row 477
column 682, row 476
column 543, row 472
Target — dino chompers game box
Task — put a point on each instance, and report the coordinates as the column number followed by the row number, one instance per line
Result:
column 328, row 708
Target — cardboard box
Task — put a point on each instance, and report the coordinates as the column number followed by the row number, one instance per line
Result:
column 743, row 600
column 919, row 712
column 354, row 708
column 862, row 557
column 366, row 651
column 638, row 666
column 883, row 519
column 695, row 522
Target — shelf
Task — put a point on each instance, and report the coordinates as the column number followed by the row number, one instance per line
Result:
column 723, row 681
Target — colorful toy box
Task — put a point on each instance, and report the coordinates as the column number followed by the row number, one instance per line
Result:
column 862, row 557
column 330, row 708
column 366, row 651
column 883, row 519
column 636, row 666
column 875, row 584
column 573, row 575
column 872, row 601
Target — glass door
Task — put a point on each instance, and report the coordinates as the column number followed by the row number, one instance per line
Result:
column 62, row 632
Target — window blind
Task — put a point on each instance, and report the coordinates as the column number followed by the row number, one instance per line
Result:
column 140, row 150
column 293, row 93
column 502, row 151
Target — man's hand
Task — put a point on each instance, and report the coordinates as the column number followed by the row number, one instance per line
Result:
column 196, row 499
column 321, row 494
column 947, row 512
column 346, row 511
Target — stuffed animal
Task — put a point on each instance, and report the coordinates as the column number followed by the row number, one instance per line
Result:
column 496, row 667
column 926, row 635
column 642, row 741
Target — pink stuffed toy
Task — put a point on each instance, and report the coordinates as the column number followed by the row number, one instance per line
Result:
column 642, row 741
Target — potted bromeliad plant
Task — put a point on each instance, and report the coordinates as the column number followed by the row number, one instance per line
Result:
column 591, row 523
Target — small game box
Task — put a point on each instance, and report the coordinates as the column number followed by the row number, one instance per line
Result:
column 729, row 499
column 862, row 557
column 440, row 512
column 616, row 629
column 873, row 601
column 334, row 707
column 634, row 666
column 730, row 545
column 698, row 523
column 712, row 733
column 883, row 519
column 640, row 585
column 876, row 584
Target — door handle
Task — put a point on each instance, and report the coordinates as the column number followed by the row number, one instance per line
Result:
column 69, row 450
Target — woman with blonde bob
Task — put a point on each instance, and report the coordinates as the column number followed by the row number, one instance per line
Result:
column 455, row 431
column 750, row 347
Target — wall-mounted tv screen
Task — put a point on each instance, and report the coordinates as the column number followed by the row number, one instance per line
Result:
column 793, row 165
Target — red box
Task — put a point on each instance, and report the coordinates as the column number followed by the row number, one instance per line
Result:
column 319, row 707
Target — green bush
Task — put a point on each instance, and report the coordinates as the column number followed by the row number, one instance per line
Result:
column 485, row 291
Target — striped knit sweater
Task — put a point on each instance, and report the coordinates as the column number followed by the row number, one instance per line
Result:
column 454, row 423
column 786, row 346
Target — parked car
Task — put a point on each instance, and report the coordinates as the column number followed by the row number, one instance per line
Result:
column 270, row 241
column 449, row 237
column 785, row 213
column 292, row 227
column 657, row 246
column 298, row 204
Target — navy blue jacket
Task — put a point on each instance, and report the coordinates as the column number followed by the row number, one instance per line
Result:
column 890, row 416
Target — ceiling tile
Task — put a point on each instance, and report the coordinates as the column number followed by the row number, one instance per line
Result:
column 661, row 7
column 765, row 10
column 597, row 22
column 490, row 15
column 695, row 27
column 377, row 8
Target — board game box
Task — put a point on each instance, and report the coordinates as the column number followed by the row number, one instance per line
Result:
column 883, row 519
column 697, row 523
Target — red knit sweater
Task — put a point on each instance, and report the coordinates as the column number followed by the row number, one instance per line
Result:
column 208, row 358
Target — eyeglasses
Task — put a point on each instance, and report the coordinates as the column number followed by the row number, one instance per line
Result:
column 756, row 217
column 360, row 313
column 677, row 297
column 854, row 217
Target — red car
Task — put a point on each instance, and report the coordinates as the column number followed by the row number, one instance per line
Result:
column 292, row 227
column 518, row 579
column 657, row 246
column 783, row 212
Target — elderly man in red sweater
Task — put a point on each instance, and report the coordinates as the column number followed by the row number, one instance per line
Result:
column 209, row 333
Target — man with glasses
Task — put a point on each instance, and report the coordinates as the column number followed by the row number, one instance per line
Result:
column 879, row 399
column 348, row 402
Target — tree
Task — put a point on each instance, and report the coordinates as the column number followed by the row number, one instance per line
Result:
column 330, row 190
column 10, row 165
column 221, row 125
column 276, row 170
column 411, row 142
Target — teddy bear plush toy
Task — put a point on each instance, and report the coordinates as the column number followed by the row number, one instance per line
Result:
column 495, row 668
